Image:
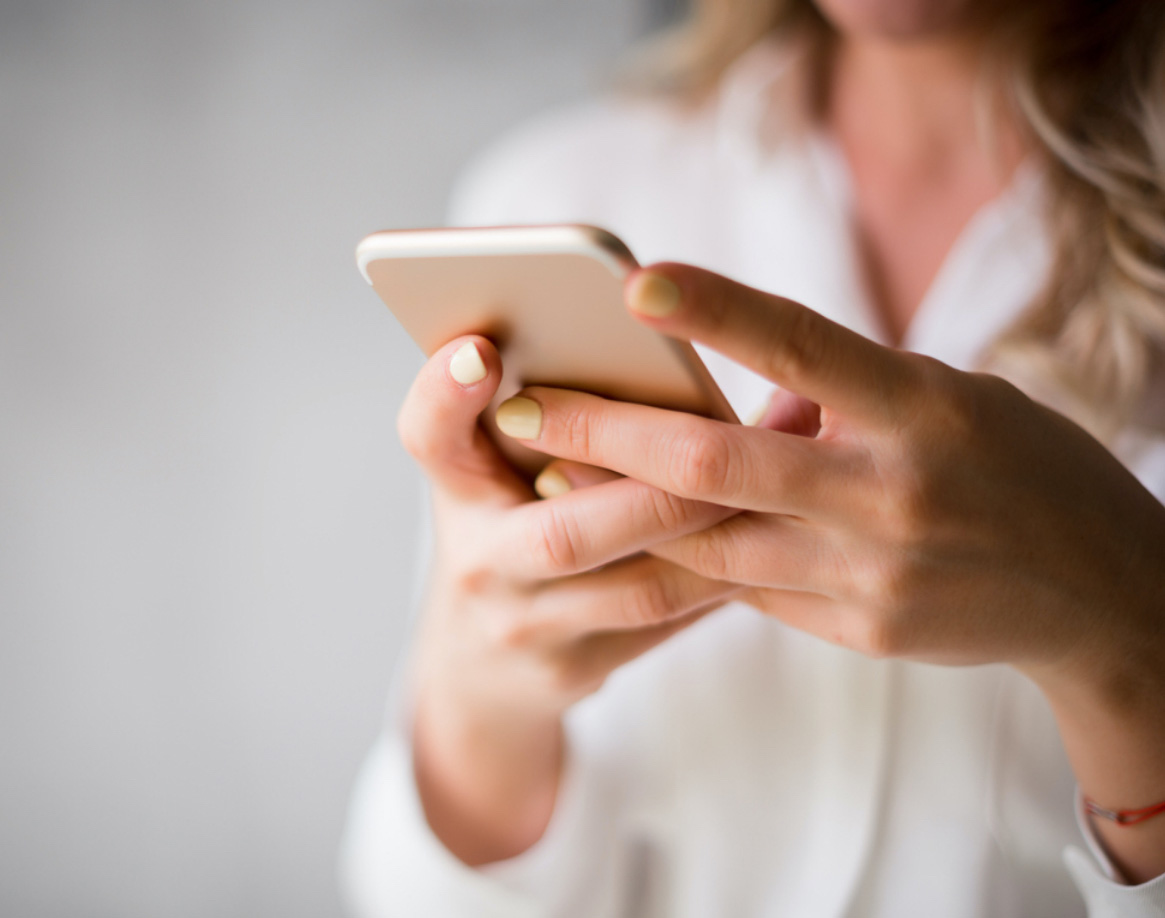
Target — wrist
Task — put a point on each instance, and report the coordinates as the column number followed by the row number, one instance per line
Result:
column 1108, row 698
column 1114, row 667
column 1112, row 607
column 487, row 779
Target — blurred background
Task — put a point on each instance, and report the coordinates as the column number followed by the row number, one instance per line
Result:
column 207, row 527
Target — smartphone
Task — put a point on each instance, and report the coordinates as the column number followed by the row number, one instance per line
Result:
column 551, row 299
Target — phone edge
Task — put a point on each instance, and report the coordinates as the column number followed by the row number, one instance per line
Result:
column 569, row 238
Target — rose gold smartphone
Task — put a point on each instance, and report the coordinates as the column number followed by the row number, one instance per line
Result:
column 551, row 299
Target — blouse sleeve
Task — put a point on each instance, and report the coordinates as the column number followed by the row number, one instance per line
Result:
column 1100, row 883
column 393, row 865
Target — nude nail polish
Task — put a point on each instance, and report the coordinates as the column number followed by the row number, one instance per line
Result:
column 653, row 295
column 551, row 483
column 520, row 418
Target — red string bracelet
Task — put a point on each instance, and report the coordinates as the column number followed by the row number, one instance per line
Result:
column 1124, row 817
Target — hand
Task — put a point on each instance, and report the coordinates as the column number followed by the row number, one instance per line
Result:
column 933, row 515
column 530, row 606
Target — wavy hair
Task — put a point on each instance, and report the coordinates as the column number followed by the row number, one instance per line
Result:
column 1085, row 82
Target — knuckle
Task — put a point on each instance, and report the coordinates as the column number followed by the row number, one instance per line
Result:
column 709, row 556
column 912, row 387
column 922, row 483
column 801, row 347
column 703, row 462
column 578, row 429
column 570, row 676
column 949, row 403
column 998, row 389
column 884, row 585
column 667, row 511
column 475, row 580
column 510, row 632
column 880, row 637
column 648, row 603
column 716, row 297
column 912, row 509
column 556, row 542
column 960, row 409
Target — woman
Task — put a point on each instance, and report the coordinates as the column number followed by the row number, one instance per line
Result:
column 967, row 186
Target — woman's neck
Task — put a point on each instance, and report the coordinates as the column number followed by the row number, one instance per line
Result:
column 911, row 121
column 916, row 104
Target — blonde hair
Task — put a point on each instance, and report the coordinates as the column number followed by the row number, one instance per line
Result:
column 1085, row 81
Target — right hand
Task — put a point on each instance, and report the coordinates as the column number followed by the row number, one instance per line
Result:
column 530, row 605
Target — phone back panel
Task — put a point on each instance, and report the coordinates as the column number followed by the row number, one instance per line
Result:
column 551, row 299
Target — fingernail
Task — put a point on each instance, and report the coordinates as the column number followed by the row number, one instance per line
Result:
column 551, row 483
column 520, row 418
column 466, row 366
column 653, row 295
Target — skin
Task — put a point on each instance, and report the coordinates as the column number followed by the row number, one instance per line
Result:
column 518, row 624
column 886, row 503
column 933, row 515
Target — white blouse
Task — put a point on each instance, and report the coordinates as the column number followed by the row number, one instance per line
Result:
column 743, row 768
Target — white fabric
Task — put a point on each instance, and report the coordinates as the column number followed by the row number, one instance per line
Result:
column 742, row 768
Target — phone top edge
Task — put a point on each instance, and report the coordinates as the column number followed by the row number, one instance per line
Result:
column 573, row 238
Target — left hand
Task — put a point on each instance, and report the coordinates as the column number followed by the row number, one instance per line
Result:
column 936, row 515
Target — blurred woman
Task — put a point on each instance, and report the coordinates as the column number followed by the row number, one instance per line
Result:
column 906, row 633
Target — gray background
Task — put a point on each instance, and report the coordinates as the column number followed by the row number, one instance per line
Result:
column 206, row 523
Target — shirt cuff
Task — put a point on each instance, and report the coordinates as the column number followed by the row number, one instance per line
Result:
column 1105, row 891
column 393, row 864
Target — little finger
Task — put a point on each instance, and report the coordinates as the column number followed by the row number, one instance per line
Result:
column 585, row 529
column 562, row 476
column 764, row 551
column 634, row 594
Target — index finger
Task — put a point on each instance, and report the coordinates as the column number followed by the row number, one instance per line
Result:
column 787, row 343
column 747, row 468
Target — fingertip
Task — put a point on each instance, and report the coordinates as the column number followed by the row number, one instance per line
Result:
column 486, row 348
column 466, row 366
column 519, row 417
column 562, row 476
column 470, row 360
column 652, row 293
column 455, row 384
column 551, row 482
column 438, row 421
